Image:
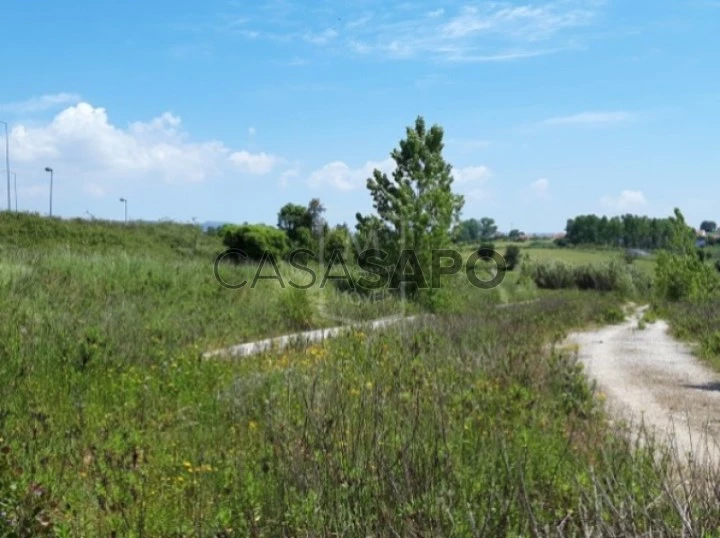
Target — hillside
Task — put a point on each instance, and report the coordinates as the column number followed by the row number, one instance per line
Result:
column 27, row 230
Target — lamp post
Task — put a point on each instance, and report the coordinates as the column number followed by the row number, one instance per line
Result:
column 15, row 188
column 7, row 161
column 48, row 169
column 124, row 201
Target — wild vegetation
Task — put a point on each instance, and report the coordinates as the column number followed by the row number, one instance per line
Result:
column 474, row 422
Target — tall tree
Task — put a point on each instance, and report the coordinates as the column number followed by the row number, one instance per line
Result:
column 292, row 218
column 708, row 226
column 467, row 230
column 488, row 229
column 315, row 212
column 416, row 204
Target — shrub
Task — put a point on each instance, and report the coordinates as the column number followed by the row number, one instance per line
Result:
column 552, row 275
column 256, row 240
column 486, row 246
column 680, row 276
column 297, row 308
column 611, row 276
column 512, row 257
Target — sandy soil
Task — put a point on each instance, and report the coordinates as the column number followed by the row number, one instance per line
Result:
column 650, row 378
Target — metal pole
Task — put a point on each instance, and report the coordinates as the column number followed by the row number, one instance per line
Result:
column 15, row 187
column 48, row 169
column 124, row 201
column 7, row 162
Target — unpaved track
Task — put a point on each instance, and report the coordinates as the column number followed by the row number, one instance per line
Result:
column 650, row 378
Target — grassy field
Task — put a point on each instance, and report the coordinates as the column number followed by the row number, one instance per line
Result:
column 478, row 424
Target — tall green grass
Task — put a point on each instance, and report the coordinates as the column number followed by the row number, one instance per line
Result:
column 477, row 424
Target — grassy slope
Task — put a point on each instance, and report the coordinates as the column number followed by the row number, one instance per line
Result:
column 110, row 423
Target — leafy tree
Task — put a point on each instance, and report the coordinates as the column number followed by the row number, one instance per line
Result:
column 708, row 226
column 679, row 271
column 256, row 240
column 291, row 219
column 512, row 257
column 304, row 226
column 337, row 240
column 467, row 231
column 488, row 229
column 630, row 231
column 514, row 234
column 416, row 207
column 315, row 211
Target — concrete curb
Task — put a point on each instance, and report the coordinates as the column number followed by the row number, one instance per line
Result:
column 318, row 335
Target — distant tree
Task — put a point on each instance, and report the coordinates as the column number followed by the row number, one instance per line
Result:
column 304, row 226
column 291, row 219
column 337, row 240
column 467, row 231
column 315, row 213
column 257, row 240
column 708, row 226
column 512, row 257
column 488, row 229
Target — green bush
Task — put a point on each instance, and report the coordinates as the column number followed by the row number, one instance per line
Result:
column 610, row 276
column 512, row 257
column 553, row 275
column 256, row 240
column 297, row 308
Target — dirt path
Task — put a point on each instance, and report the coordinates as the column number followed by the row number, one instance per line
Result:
column 648, row 376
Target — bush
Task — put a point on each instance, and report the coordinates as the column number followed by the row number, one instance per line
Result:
column 683, row 277
column 486, row 246
column 256, row 240
column 552, row 275
column 611, row 276
column 297, row 308
column 561, row 242
column 512, row 257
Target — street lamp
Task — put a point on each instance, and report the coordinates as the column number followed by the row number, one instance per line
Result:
column 124, row 201
column 15, row 188
column 7, row 161
column 48, row 169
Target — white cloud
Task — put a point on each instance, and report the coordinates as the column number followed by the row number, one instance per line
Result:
column 590, row 118
column 479, row 195
column 625, row 201
column 82, row 145
column 40, row 104
column 251, row 131
column 339, row 175
column 257, row 164
column 529, row 22
column 471, row 174
column 540, row 188
column 482, row 32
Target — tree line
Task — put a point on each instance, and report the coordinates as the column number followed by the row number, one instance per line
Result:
column 628, row 231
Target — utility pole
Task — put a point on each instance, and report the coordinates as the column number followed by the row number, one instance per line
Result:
column 124, row 201
column 7, row 162
column 48, row 169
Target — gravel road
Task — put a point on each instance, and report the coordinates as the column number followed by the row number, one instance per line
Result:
column 649, row 377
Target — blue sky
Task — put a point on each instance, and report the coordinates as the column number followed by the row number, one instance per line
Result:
column 226, row 110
